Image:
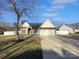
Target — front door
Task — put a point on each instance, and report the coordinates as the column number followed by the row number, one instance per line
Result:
column 29, row 30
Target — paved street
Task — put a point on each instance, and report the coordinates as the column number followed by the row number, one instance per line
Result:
column 57, row 47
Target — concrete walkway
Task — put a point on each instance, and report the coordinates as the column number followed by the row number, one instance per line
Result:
column 56, row 47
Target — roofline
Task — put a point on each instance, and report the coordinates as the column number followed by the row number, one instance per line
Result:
column 47, row 28
column 47, row 20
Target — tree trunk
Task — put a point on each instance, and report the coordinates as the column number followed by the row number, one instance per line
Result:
column 17, row 30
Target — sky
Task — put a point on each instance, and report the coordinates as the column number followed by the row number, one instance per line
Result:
column 58, row 11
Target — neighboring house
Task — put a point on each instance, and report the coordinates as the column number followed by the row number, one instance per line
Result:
column 71, row 28
column 2, row 29
column 25, row 28
column 76, row 26
column 5, row 27
column 47, row 28
column 66, row 27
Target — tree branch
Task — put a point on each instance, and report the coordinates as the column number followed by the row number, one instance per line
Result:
column 15, row 8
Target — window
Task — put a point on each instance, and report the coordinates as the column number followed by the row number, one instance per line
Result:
column 23, row 31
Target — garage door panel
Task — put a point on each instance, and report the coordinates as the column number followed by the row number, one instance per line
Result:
column 47, row 32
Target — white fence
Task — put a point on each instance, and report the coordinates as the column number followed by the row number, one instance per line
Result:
column 76, row 30
column 62, row 32
column 9, row 33
column 57, row 32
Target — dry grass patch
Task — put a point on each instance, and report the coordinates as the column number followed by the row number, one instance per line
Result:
column 30, row 48
column 72, row 36
column 7, row 37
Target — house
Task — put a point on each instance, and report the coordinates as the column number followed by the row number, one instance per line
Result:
column 5, row 27
column 25, row 28
column 47, row 28
column 71, row 28
column 29, row 28
column 76, row 27
column 66, row 27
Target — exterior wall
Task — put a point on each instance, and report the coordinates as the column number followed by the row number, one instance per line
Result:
column 23, row 31
column 66, row 28
column 26, row 31
column 46, row 31
column 9, row 32
column 62, row 32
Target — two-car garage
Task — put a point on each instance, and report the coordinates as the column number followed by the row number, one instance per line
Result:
column 47, row 28
column 47, row 32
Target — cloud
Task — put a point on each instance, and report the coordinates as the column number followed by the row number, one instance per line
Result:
column 48, row 14
column 58, row 2
column 56, row 6
column 40, row 7
column 59, row 20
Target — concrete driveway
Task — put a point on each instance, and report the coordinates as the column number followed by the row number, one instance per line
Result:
column 57, row 47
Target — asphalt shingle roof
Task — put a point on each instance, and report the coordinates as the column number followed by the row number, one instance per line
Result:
column 74, row 26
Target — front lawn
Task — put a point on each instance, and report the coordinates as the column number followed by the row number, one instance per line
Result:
column 30, row 48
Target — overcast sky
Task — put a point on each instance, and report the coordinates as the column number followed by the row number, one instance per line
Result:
column 58, row 11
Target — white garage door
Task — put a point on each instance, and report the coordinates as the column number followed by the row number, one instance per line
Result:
column 47, row 32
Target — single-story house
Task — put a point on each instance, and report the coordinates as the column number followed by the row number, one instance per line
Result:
column 71, row 28
column 25, row 28
column 2, row 29
column 47, row 28
column 76, row 27
column 5, row 27
column 29, row 28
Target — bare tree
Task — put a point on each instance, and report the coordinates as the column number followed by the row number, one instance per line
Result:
column 21, row 8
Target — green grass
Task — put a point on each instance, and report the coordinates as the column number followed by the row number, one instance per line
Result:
column 30, row 48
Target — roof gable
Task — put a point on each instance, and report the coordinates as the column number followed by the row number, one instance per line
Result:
column 76, row 25
column 69, row 25
column 73, row 26
column 35, row 25
column 47, row 24
column 66, row 26
column 25, row 24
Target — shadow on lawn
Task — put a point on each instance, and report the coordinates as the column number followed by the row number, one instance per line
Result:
column 11, row 42
column 30, row 54
column 37, row 54
column 69, row 55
